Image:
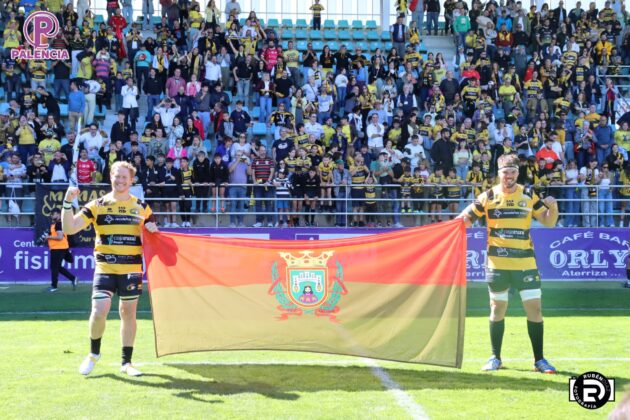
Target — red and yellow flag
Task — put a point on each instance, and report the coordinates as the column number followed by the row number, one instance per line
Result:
column 396, row 296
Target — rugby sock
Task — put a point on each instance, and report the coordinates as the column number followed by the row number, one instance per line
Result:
column 126, row 355
column 95, row 345
column 497, row 328
column 535, row 331
column 628, row 273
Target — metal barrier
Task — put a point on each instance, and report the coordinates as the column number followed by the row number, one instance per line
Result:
column 424, row 207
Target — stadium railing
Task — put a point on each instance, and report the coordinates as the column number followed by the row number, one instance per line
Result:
column 386, row 204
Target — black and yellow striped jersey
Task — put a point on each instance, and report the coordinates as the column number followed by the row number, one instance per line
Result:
column 326, row 171
column 438, row 184
column 292, row 164
column 475, row 178
column 414, row 58
column 470, row 93
column 303, row 164
column 418, row 182
column 370, row 194
column 358, row 175
column 118, row 226
column 300, row 140
column 509, row 218
column 186, row 179
column 454, row 190
column 406, row 182
column 533, row 88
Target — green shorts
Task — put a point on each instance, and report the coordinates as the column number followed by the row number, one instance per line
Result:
column 502, row 280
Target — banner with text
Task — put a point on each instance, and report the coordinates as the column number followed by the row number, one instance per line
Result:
column 49, row 197
column 562, row 253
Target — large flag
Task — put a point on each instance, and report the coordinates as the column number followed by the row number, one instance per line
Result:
column 397, row 296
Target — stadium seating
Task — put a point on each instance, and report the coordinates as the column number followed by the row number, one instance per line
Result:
column 358, row 35
column 288, row 34
column 370, row 24
column 373, row 36
column 301, row 34
column 344, row 35
column 63, row 110
column 287, row 23
column 357, row 25
column 329, row 24
column 342, row 25
column 259, row 129
column 273, row 23
column 330, row 34
column 301, row 24
column 315, row 35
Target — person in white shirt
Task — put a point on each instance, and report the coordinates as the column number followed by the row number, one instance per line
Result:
column 213, row 69
column 414, row 151
column 316, row 74
column 341, row 81
column 91, row 88
column 312, row 127
column 92, row 141
column 167, row 109
column 375, row 132
column 130, row 103
column 325, row 103
column 310, row 90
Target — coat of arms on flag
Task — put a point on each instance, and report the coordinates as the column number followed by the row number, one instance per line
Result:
column 308, row 287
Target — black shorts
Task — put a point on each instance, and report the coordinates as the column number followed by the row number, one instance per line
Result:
column 358, row 197
column 502, row 280
column 127, row 286
column 311, row 194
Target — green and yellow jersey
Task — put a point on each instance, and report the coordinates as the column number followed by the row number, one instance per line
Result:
column 509, row 217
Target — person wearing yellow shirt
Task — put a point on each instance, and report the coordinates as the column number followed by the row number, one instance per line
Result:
column 12, row 37
column 622, row 137
column 534, row 92
column 329, row 131
column 86, row 70
column 508, row 95
column 48, row 147
column 592, row 116
column 26, row 139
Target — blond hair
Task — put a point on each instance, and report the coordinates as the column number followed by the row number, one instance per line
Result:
column 123, row 164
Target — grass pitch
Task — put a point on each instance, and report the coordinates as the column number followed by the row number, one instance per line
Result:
column 43, row 339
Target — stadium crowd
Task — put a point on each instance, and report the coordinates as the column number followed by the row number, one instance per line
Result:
column 393, row 130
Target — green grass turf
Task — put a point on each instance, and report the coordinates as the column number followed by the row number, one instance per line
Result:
column 586, row 327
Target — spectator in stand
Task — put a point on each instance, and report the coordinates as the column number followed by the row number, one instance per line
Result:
column 86, row 169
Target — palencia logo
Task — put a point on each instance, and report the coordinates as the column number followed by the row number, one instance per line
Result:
column 591, row 390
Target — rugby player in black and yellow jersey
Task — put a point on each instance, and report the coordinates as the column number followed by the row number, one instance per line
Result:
column 508, row 209
column 119, row 219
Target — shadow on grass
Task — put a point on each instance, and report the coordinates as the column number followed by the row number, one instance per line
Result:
column 285, row 382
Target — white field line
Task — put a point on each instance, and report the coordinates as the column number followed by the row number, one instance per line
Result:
column 404, row 400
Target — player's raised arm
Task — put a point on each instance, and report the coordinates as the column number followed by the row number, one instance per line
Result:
column 546, row 211
column 71, row 223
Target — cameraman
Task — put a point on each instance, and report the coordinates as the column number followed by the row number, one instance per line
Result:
column 59, row 251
